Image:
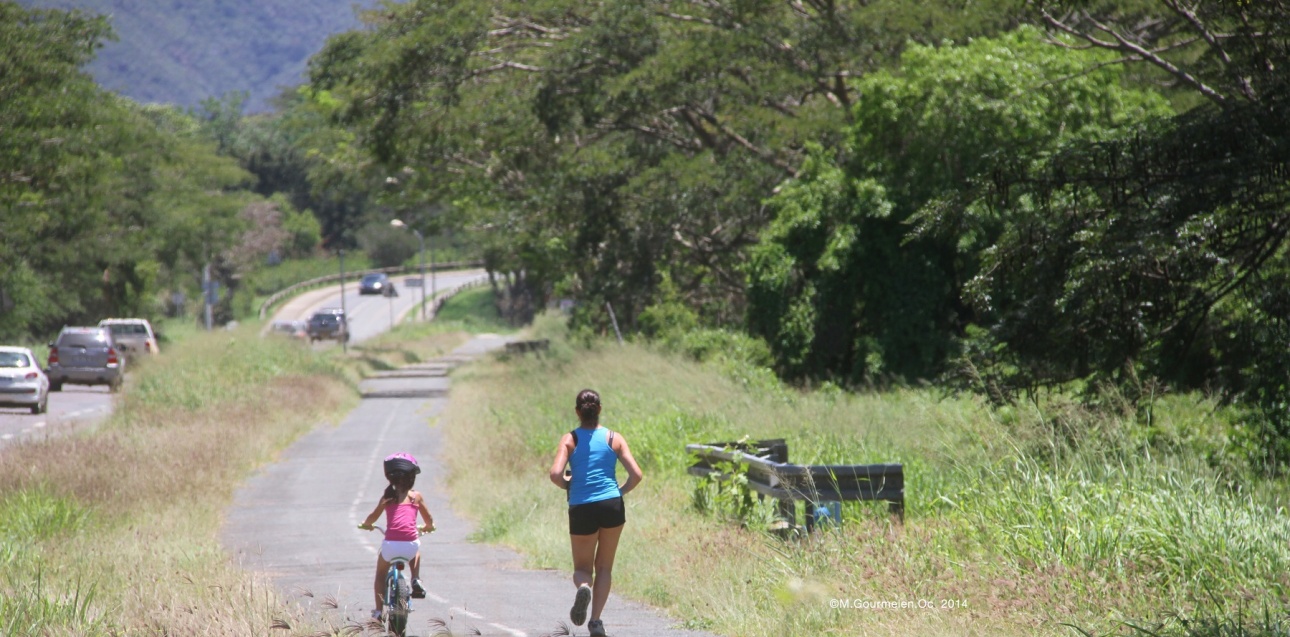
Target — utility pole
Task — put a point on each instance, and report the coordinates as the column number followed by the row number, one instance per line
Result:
column 398, row 223
column 344, row 316
column 206, row 294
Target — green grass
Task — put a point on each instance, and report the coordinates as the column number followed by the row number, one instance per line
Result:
column 473, row 310
column 114, row 531
column 1034, row 527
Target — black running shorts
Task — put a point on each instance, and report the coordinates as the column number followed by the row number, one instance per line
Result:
column 587, row 519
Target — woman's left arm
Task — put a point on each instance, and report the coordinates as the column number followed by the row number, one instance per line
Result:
column 634, row 475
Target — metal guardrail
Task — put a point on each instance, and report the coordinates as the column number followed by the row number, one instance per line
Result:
column 770, row 474
column 443, row 298
column 294, row 289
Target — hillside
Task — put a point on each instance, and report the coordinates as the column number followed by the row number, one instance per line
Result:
column 182, row 52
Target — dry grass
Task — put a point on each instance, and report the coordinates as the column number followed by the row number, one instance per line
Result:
column 985, row 565
column 148, row 490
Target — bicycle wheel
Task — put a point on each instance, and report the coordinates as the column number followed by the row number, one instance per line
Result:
column 398, row 607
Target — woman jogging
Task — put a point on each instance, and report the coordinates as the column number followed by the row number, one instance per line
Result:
column 400, row 504
column 596, row 514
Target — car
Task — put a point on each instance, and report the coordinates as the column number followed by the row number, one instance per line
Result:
column 85, row 356
column 327, row 324
column 377, row 283
column 292, row 329
column 22, row 382
column 132, row 335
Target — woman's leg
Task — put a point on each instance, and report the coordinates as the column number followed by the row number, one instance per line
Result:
column 382, row 567
column 584, row 558
column 604, row 562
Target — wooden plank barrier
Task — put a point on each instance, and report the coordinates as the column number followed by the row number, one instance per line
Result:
column 524, row 347
column 771, row 475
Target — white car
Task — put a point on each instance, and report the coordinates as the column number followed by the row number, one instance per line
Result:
column 22, row 382
column 132, row 335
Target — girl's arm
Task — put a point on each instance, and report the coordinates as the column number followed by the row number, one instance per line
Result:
column 561, row 459
column 374, row 515
column 634, row 475
column 425, row 513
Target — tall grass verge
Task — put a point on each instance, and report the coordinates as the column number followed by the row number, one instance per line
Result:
column 114, row 532
column 1012, row 526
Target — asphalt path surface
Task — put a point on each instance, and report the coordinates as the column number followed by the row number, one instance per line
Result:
column 296, row 520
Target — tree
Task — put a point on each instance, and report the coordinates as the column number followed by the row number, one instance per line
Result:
column 598, row 146
column 1159, row 253
column 102, row 201
column 862, row 295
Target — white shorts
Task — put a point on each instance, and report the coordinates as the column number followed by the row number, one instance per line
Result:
column 392, row 550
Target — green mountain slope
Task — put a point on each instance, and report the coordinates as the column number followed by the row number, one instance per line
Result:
column 184, row 51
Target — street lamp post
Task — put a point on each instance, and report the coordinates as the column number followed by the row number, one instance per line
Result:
column 398, row 223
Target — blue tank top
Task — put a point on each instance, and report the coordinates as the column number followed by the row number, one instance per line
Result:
column 593, row 463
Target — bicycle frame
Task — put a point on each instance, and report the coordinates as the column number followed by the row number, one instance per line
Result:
column 398, row 593
column 397, row 597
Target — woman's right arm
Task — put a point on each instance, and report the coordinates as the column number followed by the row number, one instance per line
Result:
column 634, row 475
column 561, row 459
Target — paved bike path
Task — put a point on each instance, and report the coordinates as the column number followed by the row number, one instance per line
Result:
column 295, row 521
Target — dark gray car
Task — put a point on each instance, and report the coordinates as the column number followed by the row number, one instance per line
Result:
column 85, row 356
column 328, row 324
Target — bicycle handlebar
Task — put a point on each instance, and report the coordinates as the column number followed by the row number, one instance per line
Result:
column 421, row 530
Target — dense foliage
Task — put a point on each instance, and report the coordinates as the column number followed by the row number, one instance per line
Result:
column 1160, row 254
column 1017, row 193
column 880, row 190
column 107, row 206
column 597, row 146
column 837, row 285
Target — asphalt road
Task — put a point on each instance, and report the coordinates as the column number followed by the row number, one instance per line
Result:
column 78, row 407
column 372, row 314
column 296, row 520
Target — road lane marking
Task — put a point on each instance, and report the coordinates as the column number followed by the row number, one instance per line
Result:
column 458, row 609
column 6, row 437
column 508, row 629
column 39, row 424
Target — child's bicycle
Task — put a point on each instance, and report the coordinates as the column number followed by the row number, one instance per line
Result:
column 398, row 591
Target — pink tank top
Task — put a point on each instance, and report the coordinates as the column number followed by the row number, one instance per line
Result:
column 401, row 522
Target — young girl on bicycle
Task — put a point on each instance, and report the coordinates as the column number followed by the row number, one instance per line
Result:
column 402, row 537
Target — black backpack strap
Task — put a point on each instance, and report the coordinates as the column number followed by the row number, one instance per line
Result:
column 574, row 433
column 611, row 438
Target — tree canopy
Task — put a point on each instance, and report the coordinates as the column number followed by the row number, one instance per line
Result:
column 105, row 204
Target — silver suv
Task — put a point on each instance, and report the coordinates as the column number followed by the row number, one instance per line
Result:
column 85, row 356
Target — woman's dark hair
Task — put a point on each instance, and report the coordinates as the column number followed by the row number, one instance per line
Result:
column 588, row 406
column 400, row 483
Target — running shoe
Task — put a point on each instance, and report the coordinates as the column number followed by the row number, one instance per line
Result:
column 578, row 613
column 418, row 591
column 597, row 628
